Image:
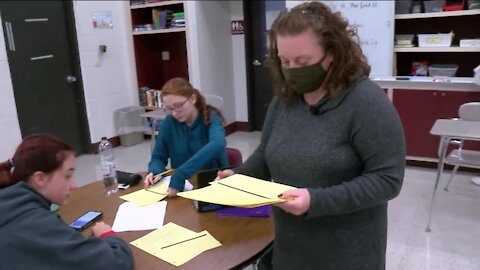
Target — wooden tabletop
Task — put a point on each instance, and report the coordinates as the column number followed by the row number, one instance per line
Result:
column 242, row 238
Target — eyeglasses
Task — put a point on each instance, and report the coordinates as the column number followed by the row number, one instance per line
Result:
column 176, row 107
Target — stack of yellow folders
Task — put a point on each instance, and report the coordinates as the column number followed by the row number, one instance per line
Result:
column 239, row 190
column 175, row 244
column 148, row 196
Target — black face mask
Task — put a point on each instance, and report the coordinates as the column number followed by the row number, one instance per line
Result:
column 306, row 79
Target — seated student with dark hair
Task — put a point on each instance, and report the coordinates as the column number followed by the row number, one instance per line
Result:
column 32, row 237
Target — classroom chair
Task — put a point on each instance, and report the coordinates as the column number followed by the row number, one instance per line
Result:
column 234, row 157
column 458, row 157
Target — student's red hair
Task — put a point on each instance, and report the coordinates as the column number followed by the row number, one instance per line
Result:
column 39, row 152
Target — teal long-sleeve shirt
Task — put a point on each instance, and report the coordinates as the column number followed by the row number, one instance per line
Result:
column 190, row 148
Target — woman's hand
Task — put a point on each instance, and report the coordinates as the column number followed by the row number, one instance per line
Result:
column 224, row 173
column 298, row 201
column 100, row 228
column 172, row 192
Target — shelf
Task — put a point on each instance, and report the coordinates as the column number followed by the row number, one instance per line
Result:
column 437, row 14
column 151, row 108
column 437, row 49
column 159, row 31
column 157, row 4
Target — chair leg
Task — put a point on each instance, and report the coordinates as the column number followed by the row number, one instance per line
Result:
column 455, row 169
column 441, row 161
column 266, row 253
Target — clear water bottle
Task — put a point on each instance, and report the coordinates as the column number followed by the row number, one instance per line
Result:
column 107, row 165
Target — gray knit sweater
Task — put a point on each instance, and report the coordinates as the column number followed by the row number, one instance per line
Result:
column 351, row 158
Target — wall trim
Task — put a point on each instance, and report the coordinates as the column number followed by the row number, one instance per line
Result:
column 237, row 126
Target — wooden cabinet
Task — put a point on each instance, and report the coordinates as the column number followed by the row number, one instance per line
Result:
column 419, row 109
column 464, row 24
column 160, row 53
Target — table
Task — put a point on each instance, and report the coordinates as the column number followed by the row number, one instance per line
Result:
column 155, row 116
column 450, row 129
column 243, row 239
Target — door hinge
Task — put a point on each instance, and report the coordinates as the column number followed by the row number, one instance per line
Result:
column 10, row 40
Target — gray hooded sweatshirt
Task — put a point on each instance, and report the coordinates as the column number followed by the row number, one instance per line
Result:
column 33, row 237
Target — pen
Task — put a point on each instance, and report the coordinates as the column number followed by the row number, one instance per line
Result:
column 164, row 173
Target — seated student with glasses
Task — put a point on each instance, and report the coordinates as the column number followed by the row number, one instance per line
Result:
column 192, row 136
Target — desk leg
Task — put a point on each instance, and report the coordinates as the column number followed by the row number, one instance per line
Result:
column 441, row 161
column 154, row 131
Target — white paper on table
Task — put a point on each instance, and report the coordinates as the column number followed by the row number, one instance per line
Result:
column 188, row 185
column 131, row 217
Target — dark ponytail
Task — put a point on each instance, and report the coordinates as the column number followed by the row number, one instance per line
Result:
column 40, row 152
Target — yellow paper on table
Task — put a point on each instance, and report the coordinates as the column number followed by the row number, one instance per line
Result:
column 143, row 197
column 152, row 194
column 160, row 187
column 175, row 244
column 239, row 190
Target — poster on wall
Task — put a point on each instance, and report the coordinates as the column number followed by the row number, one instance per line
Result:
column 102, row 20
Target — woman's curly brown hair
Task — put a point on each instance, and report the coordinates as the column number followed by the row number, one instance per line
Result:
column 333, row 35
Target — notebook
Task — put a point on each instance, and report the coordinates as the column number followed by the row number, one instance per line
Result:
column 260, row 211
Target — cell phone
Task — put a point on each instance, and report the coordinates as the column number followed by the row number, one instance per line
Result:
column 86, row 220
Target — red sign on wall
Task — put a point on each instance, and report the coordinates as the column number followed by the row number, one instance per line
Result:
column 237, row 27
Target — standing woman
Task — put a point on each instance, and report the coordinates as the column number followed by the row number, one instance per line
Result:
column 32, row 237
column 191, row 136
column 334, row 134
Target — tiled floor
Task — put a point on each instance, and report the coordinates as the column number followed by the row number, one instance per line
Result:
column 454, row 242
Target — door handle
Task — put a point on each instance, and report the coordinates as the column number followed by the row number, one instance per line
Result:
column 10, row 40
column 256, row 63
column 71, row 79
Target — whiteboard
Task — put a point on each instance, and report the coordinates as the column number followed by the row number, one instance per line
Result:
column 374, row 21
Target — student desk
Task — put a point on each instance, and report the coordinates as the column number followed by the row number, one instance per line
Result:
column 243, row 239
column 450, row 129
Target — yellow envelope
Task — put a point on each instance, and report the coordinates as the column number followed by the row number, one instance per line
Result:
column 239, row 190
column 143, row 197
column 254, row 185
column 175, row 244
column 160, row 187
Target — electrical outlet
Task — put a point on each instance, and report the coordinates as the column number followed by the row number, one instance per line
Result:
column 165, row 55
